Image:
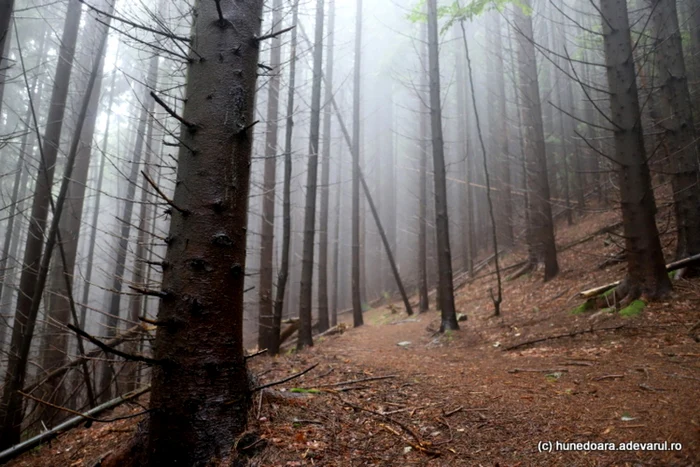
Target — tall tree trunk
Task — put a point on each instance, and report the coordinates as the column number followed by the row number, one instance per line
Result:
column 11, row 241
column 283, row 273
column 138, row 279
column 323, row 318
column 678, row 125
column 111, row 320
column 59, row 305
column 499, row 139
column 307, row 262
column 6, row 9
column 356, row 299
column 423, row 301
column 22, row 331
column 442, row 225
column 96, row 209
column 203, row 283
column 267, row 227
column 646, row 272
column 541, row 245
column 336, row 239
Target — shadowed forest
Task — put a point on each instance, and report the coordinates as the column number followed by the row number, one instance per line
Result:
column 349, row 233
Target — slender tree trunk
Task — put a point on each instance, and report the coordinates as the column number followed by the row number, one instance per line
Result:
column 646, row 272
column 6, row 9
column 111, row 321
column 336, row 240
column 138, row 279
column 307, row 263
column 499, row 139
column 59, row 304
column 678, row 125
column 323, row 318
column 22, row 332
column 96, row 210
column 9, row 250
column 442, row 225
column 542, row 248
column 283, row 272
column 356, row 300
column 423, row 301
column 203, row 283
column 267, row 227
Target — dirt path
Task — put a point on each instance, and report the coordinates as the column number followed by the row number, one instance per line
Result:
column 460, row 399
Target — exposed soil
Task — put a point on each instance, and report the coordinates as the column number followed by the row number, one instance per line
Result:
column 461, row 399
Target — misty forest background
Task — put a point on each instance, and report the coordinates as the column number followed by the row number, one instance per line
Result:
column 476, row 125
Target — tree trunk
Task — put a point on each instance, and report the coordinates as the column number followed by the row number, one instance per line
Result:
column 541, row 245
column 283, row 273
column 12, row 234
column 500, row 153
column 111, row 320
column 423, row 301
column 22, row 331
column 442, row 225
column 6, row 9
column 646, row 272
column 307, row 263
column 356, row 300
column 678, row 125
column 59, row 305
column 202, row 349
column 323, row 318
column 267, row 228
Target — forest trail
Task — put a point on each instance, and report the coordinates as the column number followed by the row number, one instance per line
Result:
column 460, row 399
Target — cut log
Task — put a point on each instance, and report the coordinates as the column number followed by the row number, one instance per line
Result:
column 682, row 263
column 31, row 443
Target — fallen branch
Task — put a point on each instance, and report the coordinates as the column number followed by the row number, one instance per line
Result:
column 282, row 381
column 537, row 370
column 80, row 414
column 601, row 378
column 354, row 381
column 31, row 443
column 559, row 336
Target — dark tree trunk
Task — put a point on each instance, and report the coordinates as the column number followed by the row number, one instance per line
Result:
column 678, row 125
column 323, row 318
column 423, row 301
column 283, row 273
column 646, row 272
column 111, row 320
column 542, row 249
column 442, row 225
column 307, row 263
column 22, row 331
column 203, row 284
column 6, row 8
column 356, row 299
column 266, row 326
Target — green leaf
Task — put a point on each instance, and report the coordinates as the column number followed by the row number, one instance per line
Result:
column 305, row 391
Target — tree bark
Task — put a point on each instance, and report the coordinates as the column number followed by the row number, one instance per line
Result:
column 307, row 263
column 283, row 272
column 678, row 125
column 442, row 225
column 203, row 283
column 541, row 245
column 323, row 318
column 423, row 301
column 646, row 274
column 355, row 290
column 267, row 228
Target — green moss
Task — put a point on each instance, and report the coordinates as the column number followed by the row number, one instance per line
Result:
column 582, row 308
column 633, row 309
column 608, row 292
column 672, row 274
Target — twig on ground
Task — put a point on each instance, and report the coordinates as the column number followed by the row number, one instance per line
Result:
column 282, row 381
column 559, row 336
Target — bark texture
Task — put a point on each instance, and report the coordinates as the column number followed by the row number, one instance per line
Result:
column 202, row 346
column 646, row 272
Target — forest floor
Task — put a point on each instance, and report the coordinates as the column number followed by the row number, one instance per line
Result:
column 462, row 398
